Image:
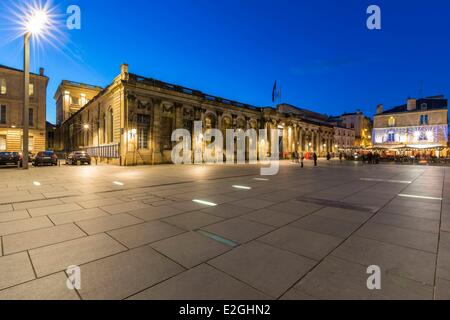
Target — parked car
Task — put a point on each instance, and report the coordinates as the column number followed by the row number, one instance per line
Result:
column 81, row 157
column 10, row 158
column 45, row 158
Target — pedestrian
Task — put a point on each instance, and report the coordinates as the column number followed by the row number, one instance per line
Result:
column 315, row 159
column 328, row 156
column 302, row 158
column 340, row 157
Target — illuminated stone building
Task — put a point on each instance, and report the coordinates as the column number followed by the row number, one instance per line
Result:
column 131, row 121
column 416, row 126
column 11, row 110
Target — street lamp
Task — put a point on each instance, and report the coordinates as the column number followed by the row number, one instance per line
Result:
column 34, row 25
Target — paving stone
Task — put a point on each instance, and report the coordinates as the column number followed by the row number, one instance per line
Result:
column 58, row 257
column 155, row 213
column 201, row 283
column 303, row 242
column 336, row 279
column 124, row 207
column 108, row 223
column 36, row 204
column 253, row 203
column 271, row 218
column 39, row 238
column 13, row 215
column 61, row 208
column 80, row 215
column 298, row 208
column 125, row 274
column 192, row 220
column 352, row 216
column 190, row 249
column 18, row 226
column 268, row 269
column 239, row 230
column 442, row 291
column 15, row 269
column 227, row 210
column 6, row 207
column 145, row 233
column 99, row 202
column 401, row 221
column 443, row 262
column 405, row 237
column 333, row 227
column 48, row 288
column 400, row 261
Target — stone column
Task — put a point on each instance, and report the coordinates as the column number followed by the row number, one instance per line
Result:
column 156, row 147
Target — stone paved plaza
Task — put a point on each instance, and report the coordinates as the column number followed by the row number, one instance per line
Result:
column 303, row 234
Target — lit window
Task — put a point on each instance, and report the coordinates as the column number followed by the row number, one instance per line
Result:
column 391, row 122
column 391, row 137
column 2, row 86
column 31, row 89
column 143, row 139
column 83, row 99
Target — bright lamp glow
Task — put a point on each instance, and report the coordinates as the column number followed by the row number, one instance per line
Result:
column 37, row 22
column 86, row 127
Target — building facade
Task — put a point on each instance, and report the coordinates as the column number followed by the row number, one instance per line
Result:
column 131, row 121
column 362, row 125
column 418, row 125
column 11, row 110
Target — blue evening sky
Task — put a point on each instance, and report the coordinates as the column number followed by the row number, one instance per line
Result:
column 320, row 51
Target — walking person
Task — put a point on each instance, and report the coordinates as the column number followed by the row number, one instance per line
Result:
column 340, row 157
column 315, row 159
column 302, row 159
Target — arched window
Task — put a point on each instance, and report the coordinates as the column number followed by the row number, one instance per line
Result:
column 391, row 122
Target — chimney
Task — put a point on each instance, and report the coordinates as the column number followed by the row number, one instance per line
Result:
column 412, row 104
column 41, row 71
column 380, row 109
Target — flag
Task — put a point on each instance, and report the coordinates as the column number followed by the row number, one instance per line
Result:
column 276, row 92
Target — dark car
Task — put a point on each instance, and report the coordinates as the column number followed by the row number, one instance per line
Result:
column 45, row 158
column 10, row 158
column 81, row 157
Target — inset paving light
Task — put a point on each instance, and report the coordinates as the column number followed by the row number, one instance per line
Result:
column 261, row 179
column 206, row 203
column 418, row 197
column 242, row 187
column 37, row 183
column 118, row 183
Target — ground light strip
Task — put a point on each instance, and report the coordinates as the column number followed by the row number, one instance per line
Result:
column 218, row 238
column 118, row 183
column 418, row 197
column 261, row 179
column 242, row 187
column 206, row 203
column 384, row 180
column 37, row 183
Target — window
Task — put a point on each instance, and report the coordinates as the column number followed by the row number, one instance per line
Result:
column 2, row 86
column 424, row 106
column 2, row 143
column 83, row 99
column 31, row 117
column 424, row 120
column 108, row 126
column 31, row 89
column 143, row 119
column 75, row 100
column 391, row 122
column 2, row 114
column 143, row 138
column 391, row 137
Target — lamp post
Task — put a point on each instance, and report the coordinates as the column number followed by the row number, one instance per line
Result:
column 35, row 23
